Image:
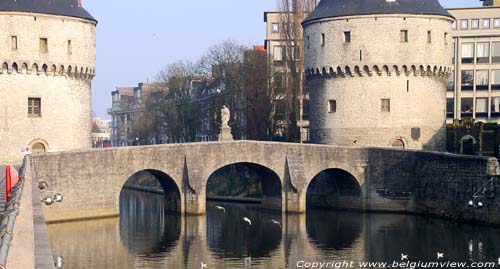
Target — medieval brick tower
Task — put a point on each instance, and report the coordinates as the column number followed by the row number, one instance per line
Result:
column 47, row 58
column 377, row 72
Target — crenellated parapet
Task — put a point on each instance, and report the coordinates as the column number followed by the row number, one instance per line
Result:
column 438, row 71
column 48, row 69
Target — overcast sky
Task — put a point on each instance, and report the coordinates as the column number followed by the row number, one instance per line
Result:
column 136, row 39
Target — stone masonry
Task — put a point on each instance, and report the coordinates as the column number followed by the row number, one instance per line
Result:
column 390, row 180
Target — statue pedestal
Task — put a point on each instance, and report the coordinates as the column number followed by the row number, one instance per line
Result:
column 225, row 134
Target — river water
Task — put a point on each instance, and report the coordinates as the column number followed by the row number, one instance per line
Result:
column 145, row 237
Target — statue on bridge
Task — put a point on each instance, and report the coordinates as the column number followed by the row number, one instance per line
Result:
column 225, row 130
column 225, row 116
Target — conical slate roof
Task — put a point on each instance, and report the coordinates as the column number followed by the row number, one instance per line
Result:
column 68, row 8
column 340, row 8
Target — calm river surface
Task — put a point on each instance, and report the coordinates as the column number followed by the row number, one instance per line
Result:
column 144, row 237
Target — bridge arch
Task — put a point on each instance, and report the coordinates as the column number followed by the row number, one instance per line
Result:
column 145, row 179
column 334, row 188
column 248, row 180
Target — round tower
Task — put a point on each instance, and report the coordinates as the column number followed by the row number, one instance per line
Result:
column 47, row 58
column 377, row 72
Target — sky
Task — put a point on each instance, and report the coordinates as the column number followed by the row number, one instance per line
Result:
column 137, row 39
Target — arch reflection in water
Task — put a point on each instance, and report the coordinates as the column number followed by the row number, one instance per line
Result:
column 228, row 236
column 145, row 229
column 334, row 188
column 333, row 230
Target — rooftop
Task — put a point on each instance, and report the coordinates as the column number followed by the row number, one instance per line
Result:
column 341, row 8
column 69, row 8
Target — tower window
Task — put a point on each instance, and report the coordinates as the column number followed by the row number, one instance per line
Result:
column 386, row 105
column 13, row 40
column 404, row 36
column 429, row 37
column 446, row 38
column 322, row 39
column 44, row 45
column 347, row 37
column 34, row 107
column 332, row 106
column 308, row 45
column 70, row 47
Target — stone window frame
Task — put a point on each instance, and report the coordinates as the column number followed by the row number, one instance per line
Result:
column 429, row 36
column 33, row 105
column 323, row 39
column 385, row 105
column 44, row 45
column 70, row 47
column 496, row 23
column 14, row 42
column 347, row 37
column 404, row 36
column 275, row 27
column 332, row 106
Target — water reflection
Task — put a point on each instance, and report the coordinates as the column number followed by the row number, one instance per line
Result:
column 229, row 236
column 145, row 229
column 144, row 237
column 333, row 230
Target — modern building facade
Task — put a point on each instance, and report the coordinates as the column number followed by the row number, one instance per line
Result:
column 474, row 87
column 47, row 65
column 377, row 72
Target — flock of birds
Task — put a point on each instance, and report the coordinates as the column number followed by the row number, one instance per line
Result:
column 247, row 220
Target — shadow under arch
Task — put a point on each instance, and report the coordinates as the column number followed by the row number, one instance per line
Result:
column 334, row 188
column 246, row 181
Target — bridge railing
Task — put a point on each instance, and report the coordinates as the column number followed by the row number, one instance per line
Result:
column 9, row 215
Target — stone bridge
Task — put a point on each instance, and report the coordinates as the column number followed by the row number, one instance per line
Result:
column 368, row 179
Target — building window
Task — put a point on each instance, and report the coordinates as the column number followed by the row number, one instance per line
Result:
column 481, row 107
column 495, row 52
column 332, row 106
column 322, row 39
column 386, row 105
column 486, row 23
column 44, row 45
column 451, row 82
column 13, row 41
column 483, row 52
column 34, row 107
column 467, row 80
column 495, row 79
column 464, row 24
column 482, row 79
column 454, row 25
column 474, row 24
column 70, row 48
column 429, row 37
column 467, row 53
column 446, row 38
column 496, row 23
column 308, row 42
column 278, row 53
column 275, row 27
column 450, row 107
column 467, row 105
column 454, row 54
column 295, row 52
column 495, row 105
column 404, row 36
column 347, row 37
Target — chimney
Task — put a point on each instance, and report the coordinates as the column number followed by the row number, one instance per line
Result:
column 79, row 2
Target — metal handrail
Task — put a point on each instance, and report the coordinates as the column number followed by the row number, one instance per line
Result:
column 8, row 218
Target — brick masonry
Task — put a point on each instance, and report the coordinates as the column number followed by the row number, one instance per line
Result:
column 391, row 180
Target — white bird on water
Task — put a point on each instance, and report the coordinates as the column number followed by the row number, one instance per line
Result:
column 203, row 265
column 247, row 220
column 275, row 222
column 221, row 208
